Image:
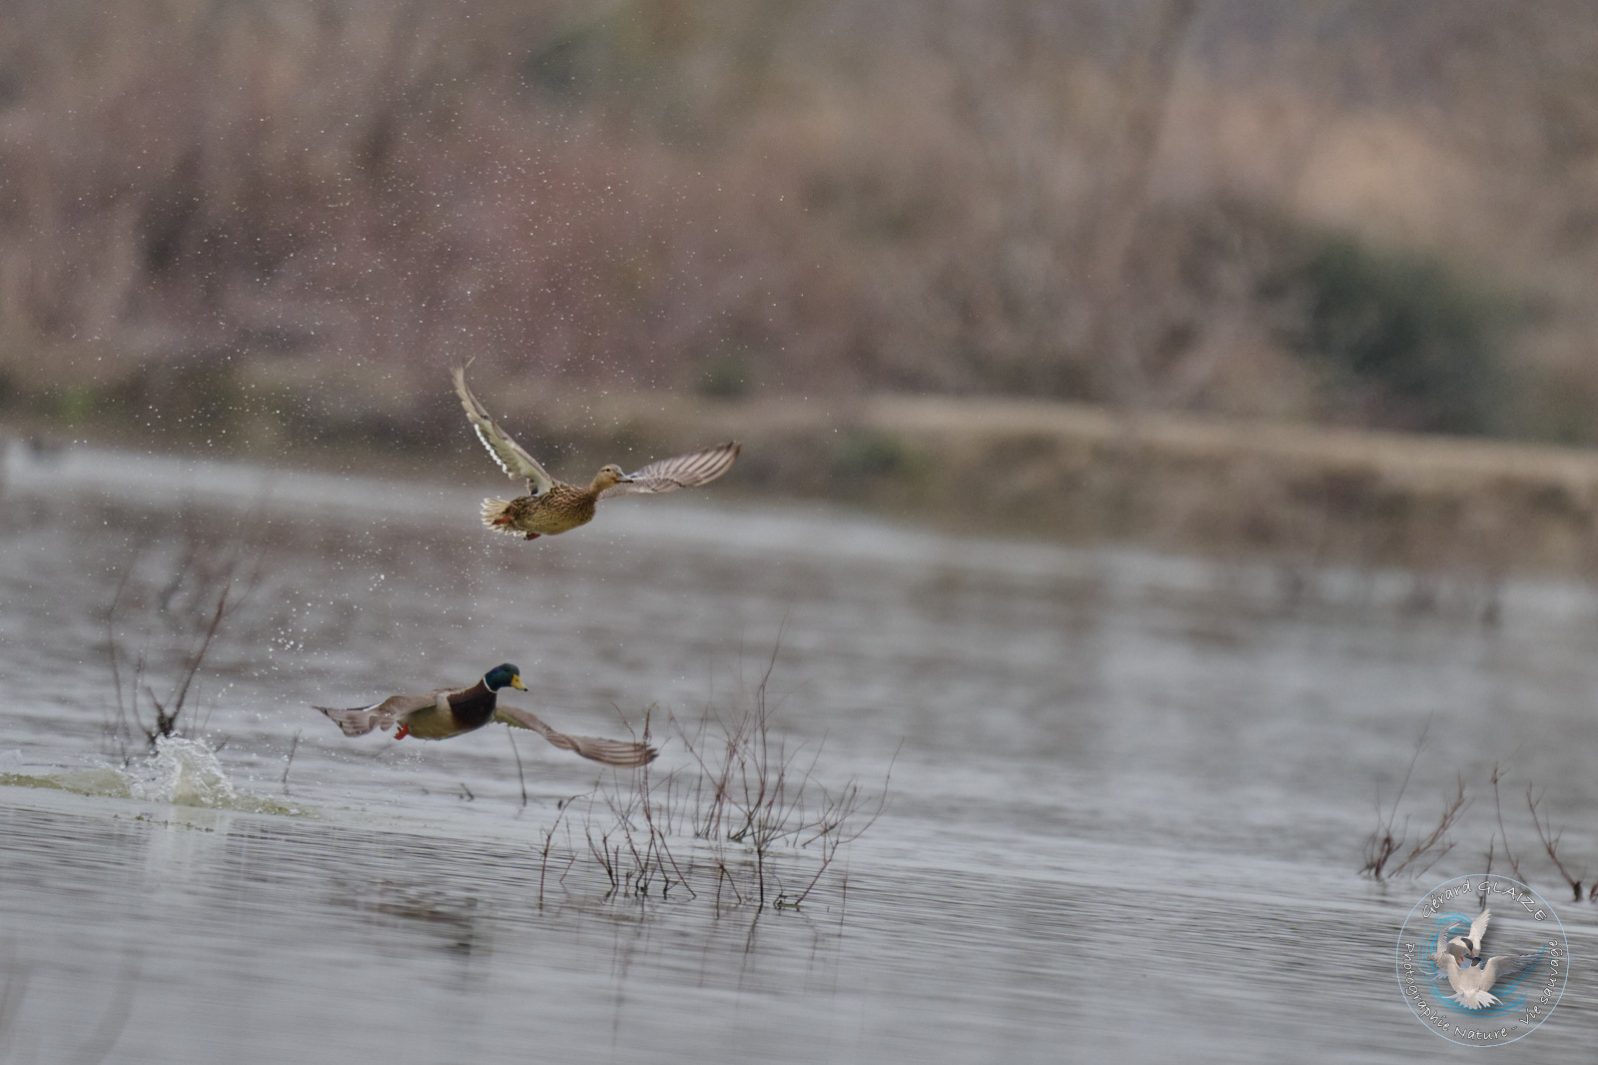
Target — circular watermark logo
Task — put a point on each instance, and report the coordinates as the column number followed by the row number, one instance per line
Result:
column 1482, row 960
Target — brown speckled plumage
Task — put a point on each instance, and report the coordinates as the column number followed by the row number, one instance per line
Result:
column 552, row 506
column 563, row 507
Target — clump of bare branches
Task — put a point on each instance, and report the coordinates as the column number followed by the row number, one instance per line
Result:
column 767, row 831
column 633, row 844
column 757, row 797
column 1389, row 850
column 174, row 616
column 1547, row 835
column 1550, row 838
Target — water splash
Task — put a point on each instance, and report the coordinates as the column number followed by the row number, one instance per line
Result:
column 183, row 772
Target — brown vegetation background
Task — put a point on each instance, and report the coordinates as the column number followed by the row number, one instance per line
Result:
column 1132, row 204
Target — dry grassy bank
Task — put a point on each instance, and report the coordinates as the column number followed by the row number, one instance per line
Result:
column 1300, row 494
column 1062, row 471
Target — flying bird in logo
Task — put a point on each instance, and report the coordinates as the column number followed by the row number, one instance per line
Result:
column 1468, row 946
column 1459, row 961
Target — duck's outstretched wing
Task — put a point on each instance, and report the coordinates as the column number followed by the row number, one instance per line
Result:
column 683, row 471
column 359, row 720
column 510, row 455
column 623, row 753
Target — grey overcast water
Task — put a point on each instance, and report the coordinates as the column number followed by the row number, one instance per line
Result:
column 1127, row 800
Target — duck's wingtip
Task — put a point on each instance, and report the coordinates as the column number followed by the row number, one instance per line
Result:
column 352, row 721
column 631, row 755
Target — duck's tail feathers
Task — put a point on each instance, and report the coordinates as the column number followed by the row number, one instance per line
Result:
column 1475, row 999
column 496, row 516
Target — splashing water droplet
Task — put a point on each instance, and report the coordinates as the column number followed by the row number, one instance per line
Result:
column 183, row 772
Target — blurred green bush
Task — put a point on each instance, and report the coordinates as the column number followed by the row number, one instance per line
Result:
column 1422, row 342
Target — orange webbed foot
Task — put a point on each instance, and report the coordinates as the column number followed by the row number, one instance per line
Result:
column 534, row 536
column 401, row 732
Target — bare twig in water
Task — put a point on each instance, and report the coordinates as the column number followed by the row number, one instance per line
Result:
column 288, row 763
column 197, row 596
column 637, row 843
column 118, row 730
column 549, row 840
column 521, row 775
column 653, row 862
column 850, row 811
column 1379, row 850
column 1436, row 843
column 1386, row 855
column 1550, row 838
column 1496, row 778
column 1387, row 838
column 601, row 852
column 166, row 719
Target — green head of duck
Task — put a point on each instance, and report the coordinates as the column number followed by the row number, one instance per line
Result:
column 504, row 674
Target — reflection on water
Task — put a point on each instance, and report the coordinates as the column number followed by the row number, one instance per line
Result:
column 1125, row 814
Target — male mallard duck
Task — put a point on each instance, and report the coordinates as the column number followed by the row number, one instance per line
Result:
column 438, row 715
column 552, row 506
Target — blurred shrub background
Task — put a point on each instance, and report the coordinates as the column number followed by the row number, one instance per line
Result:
column 1363, row 213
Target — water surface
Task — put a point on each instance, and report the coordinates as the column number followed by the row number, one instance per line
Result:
column 1127, row 795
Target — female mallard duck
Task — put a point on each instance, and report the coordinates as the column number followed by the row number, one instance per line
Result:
column 552, row 506
column 438, row 715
